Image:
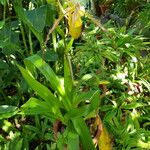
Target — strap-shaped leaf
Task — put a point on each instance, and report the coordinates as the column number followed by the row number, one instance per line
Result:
column 49, row 74
column 82, row 97
column 40, row 89
column 68, row 74
column 110, row 114
column 46, row 70
column 78, row 112
column 68, row 77
column 95, row 101
column 83, row 131
column 86, row 109
column 7, row 111
column 73, row 141
column 35, row 106
column 133, row 105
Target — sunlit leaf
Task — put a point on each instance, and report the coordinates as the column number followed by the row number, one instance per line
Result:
column 85, row 110
column 68, row 77
column 133, row 105
column 35, row 106
column 46, row 70
column 49, row 74
column 7, row 111
column 73, row 141
column 84, row 134
column 42, row 91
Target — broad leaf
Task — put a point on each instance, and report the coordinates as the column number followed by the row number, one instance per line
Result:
column 41, row 90
column 7, row 111
column 23, row 17
column 49, row 74
column 86, row 109
column 73, row 141
column 78, row 112
column 83, row 96
column 46, row 70
column 68, row 77
column 35, row 106
column 34, row 15
column 83, row 131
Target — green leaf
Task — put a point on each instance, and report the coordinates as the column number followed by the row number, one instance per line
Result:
column 69, row 45
column 23, row 17
column 7, row 111
column 19, row 145
column 10, row 48
column 60, row 31
column 41, row 90
column 145, row 83
column 106, row 107
column 73, row 141
column 113, row 130
column 61, row 141
column 111, row 56
column 2, row 139
column 133, row 105
column 49, row 74
column 83, row 131
column 110, row 114
column 95, row 101
column 50, row 15
column 83, row 96
column 86, row 109
column 34, row 15
column 78, row 112
column 3, row 64
column 2, row 23
column 36, row 130
column 49, row 55
column 68, row 77
column 35, row 106
column 46, row 70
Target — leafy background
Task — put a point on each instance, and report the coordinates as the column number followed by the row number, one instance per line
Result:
column 62, row 94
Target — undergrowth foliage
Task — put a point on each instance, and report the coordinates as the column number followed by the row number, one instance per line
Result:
column 74, row 75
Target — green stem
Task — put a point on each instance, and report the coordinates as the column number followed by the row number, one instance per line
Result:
column 30, row 42
column 54, row 41
column 24, row 38
column 67, row 57
column 4, row 14
column 55, row 49
column 43, row 48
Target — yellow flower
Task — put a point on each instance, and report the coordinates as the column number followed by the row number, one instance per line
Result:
column 75, row 12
